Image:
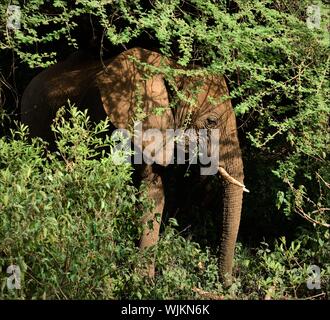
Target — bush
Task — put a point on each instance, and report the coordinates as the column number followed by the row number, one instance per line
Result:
column 70, row 221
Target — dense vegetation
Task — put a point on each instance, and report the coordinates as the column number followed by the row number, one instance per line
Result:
column 71, row 220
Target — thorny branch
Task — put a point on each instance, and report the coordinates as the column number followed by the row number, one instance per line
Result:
column 300, row 210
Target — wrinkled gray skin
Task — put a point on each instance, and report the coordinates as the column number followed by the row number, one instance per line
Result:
column 110, row 90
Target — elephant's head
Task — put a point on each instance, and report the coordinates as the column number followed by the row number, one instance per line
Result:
column 209, row 109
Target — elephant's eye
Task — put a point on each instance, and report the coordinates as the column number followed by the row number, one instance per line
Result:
column 211, row 122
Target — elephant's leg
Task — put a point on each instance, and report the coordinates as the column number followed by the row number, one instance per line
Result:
column 151, row 220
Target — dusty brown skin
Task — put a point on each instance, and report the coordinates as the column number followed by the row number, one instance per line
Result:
column 111, row 90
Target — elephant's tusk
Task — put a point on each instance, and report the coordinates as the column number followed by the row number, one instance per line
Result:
column 230, row 179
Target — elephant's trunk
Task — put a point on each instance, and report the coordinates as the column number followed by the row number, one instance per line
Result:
column 232, row 205
column 231, row 172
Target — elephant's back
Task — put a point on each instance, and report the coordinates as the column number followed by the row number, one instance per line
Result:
column 52, row 88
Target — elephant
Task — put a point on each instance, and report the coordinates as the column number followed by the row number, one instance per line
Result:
column 109, row 89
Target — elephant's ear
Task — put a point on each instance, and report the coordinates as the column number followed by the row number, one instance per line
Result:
column 129, row 95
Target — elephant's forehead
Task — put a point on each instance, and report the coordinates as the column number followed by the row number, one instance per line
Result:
column 201, row 110
column 204, row 96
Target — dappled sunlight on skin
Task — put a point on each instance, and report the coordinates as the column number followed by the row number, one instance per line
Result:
column 131, row 92
column 210, row 88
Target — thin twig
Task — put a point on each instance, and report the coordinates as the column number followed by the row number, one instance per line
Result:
column 326, row 183
column 316, row 296
column 208, row 295
column 304, row 215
